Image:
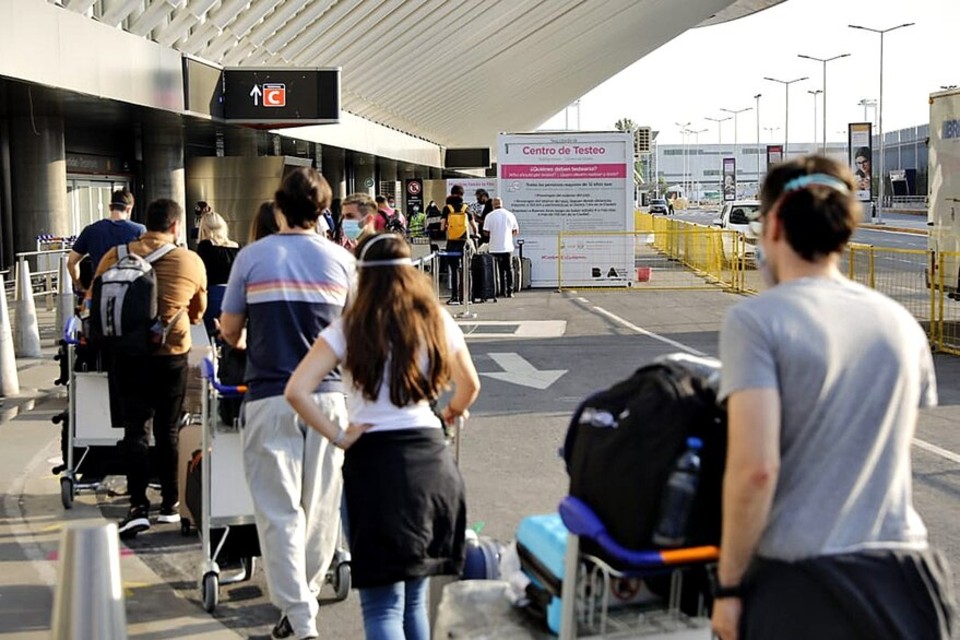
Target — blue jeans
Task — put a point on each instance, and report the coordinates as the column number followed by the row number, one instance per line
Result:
column 396, row 611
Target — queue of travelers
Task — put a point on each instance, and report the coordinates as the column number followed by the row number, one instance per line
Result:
column 348, row 352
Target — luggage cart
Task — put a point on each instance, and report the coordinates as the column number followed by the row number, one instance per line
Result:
column 89, row 427
column 585, row 600
column 226, row 500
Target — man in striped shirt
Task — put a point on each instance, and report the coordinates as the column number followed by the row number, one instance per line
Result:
column 283, row 290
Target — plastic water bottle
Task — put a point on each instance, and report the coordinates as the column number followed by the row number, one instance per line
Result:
column 678, row 497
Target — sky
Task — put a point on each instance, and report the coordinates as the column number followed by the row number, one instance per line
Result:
column 705, row 69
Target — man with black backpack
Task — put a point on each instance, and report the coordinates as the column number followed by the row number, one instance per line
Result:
column 144, row 297
column 389, row 219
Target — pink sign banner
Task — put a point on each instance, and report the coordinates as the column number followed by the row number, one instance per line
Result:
column 562, row 171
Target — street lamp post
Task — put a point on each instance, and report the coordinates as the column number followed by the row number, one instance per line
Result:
column 786, row 117
column 815, row 94
column 868, row 102
column 695, row 170
column 824, row 61
column 757, row 113
column 736, row 117
column 719, row 122
column 770, row 131
column 882, row 180
column 683, row 137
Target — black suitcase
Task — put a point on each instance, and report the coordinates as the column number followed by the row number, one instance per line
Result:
column 521, row 273
column 483, row 277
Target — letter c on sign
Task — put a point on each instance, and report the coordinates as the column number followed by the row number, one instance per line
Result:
column 274, row 95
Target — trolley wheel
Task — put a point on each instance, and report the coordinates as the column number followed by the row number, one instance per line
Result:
column 185, row 527
column 341, row 581
column 210, row 591
column 249, row 566
column 66, row 492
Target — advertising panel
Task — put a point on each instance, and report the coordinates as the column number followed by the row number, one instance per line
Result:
column 774, row 155
column 729, row 179
column 572, row 181
column 860, row 144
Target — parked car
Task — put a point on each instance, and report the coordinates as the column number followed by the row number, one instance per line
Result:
column 736, row 216
column 659, row 205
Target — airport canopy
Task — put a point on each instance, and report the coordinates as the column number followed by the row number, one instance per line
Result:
column 452, row 72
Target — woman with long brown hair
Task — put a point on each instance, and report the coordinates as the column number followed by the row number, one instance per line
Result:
column 404, row 495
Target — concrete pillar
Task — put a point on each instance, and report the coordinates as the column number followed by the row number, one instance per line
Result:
column 241, row 141
column 39, row 166
column 163, row 172
column 388, row 172
column 365, row 175
column 332, row 161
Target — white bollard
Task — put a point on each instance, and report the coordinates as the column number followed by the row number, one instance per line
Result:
column 66, row 301
column 9, row 378
column 26, row 340
column 89, row 604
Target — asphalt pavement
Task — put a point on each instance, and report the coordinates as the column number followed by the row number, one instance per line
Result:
column 539, row 354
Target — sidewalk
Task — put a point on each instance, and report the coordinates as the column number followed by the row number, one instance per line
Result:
column 32, row 517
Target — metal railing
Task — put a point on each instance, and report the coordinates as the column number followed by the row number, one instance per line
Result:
column 44, row 273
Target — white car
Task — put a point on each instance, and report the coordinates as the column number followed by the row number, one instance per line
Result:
column 736, row 216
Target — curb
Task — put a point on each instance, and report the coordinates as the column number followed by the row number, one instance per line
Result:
column 884, row 227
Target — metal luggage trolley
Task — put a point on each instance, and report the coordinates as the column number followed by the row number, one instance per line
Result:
column 225, row 498
column 585, row 605
column 89, row 427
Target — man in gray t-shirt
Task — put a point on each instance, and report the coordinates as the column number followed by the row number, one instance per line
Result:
column 823, row 379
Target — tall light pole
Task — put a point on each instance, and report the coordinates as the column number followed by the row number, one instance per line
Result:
column 815, row 93
column 719, row 122
column 696, row 170
column 683, row 136
column 824, row 61
column 786, row 117
column 882, row 180
column 868, row 102
column 770, row 131
column 757, row 113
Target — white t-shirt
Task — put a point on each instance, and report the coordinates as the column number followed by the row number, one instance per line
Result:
column 500, row 224
column 383, row 414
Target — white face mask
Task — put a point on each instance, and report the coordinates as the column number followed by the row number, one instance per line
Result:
column 352, row 229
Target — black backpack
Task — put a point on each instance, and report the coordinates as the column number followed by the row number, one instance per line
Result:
column 124, row 317
column 393, row 223
column 623, row 443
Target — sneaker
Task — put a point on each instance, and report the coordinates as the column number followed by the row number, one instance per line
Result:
column 136, row 521
column 283, row 630
column 169, row 515
column 454, row 302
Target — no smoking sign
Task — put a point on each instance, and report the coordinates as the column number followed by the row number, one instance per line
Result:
column 413, row 188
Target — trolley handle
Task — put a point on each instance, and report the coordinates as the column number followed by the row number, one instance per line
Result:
column 69, row 331
column 225, row 390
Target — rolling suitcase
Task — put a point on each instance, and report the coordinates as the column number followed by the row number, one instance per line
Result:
column 483, row 277
column 521, row 273
column 542, row 545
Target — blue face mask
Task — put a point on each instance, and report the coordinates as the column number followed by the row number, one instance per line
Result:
column 351, row 229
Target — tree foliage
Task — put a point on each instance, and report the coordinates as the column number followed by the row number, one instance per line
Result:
column 625, row 125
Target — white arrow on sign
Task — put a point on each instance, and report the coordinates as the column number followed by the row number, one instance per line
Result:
column 516, row 370
column 256, row 92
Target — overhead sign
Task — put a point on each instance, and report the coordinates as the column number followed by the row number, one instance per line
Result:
column 578, row 182
column 281, row 97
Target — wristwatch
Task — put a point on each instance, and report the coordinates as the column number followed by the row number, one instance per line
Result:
column 722, row 591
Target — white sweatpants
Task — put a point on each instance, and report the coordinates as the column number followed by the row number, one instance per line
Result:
column 295, row 480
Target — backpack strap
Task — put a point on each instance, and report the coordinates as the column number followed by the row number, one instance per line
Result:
column 159, row 253
column 122, row 252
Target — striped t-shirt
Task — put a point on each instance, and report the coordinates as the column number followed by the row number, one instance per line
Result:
column 290, row 286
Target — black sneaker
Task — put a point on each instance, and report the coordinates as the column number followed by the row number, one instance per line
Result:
column 282, row 629
column 169, row 515
column 454, row 302
column 136, row 521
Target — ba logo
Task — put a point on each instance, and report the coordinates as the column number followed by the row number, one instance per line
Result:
column 274, row 95
column 950, row 129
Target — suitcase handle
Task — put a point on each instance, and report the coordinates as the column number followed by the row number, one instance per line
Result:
column 225, row 390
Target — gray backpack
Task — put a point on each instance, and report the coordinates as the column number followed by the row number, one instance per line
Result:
column 123, row 314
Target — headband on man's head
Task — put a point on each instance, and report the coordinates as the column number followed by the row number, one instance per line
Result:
column 818, row 179
column 392, row 262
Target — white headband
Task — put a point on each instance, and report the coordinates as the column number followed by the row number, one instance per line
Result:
column 381, row 263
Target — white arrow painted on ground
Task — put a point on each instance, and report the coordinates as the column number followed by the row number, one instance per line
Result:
column 516, row 370
column 255, row 93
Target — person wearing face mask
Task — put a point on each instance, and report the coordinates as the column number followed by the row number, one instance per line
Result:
column 357, row 218
column 823, row 379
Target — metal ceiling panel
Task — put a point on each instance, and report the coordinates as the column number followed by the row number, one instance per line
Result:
column 452, row 72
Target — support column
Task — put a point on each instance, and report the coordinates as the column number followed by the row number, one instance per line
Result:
column 332, row 161
column 39, row 166
column 388, row 171
column 163, row 172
